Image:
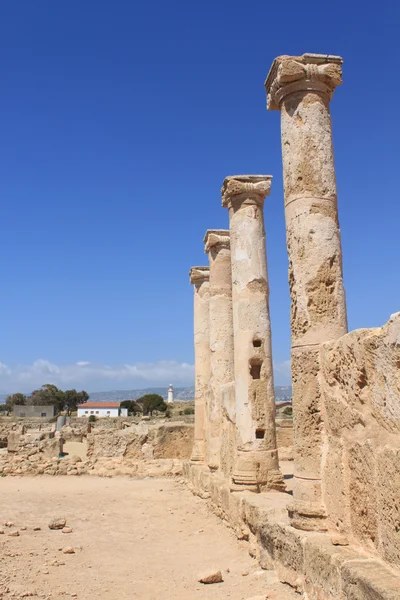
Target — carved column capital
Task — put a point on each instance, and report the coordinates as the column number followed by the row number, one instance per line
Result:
column 245, row 190
column 216, row 237
column 310, row 72
column 199, row 274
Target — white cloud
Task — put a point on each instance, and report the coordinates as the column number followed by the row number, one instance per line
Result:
column 282, row 372
column 92, row 376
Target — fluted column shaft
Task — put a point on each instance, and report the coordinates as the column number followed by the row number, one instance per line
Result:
column 256, row 464
column 217, row 247
column 199, row 277
column 301, row 87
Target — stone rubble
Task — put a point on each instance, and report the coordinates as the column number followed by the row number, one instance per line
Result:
column 212, row 576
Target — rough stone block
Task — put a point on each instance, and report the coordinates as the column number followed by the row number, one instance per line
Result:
column 369, row 580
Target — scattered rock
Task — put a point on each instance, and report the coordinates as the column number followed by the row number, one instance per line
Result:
column 23, row 528
column 14, row 533
column 56, row 563
column 212, row 576
column 245, row 573
column 1, row 531
column 37, row 528
column 8, row 524
column 68, row 550
column 67, row 530
column 57, row 523
column 339, row 540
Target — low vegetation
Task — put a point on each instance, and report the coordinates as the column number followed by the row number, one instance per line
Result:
column 48, row 394
column 146, row 404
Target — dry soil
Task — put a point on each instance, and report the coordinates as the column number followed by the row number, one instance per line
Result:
column 147, row 539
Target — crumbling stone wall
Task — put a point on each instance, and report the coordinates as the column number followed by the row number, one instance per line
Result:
column 34, row 445
column 146, row 449
column 145, row 440
column 360, row 390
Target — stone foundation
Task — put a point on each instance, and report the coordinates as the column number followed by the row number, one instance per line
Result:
column 315, row 564
column 143, row 450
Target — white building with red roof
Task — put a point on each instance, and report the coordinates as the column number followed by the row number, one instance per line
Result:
column 101, row 409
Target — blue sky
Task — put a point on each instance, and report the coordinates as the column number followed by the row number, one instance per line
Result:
column 119, row 122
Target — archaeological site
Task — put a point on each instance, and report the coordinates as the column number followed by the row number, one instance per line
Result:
column 329, row 521
column 272, row 506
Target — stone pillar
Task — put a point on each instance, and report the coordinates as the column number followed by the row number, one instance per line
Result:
column 256, row 465
column 199, row 277
column 217, row 246
column 301, row 88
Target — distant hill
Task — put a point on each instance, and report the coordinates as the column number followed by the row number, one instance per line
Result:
column 282, row 392
column 180, row 393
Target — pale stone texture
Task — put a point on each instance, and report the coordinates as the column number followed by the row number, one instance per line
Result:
column 217, row 246
column 360, row 388
column 307, row 561
column 228, row 427
column 200, row 277
column 301, row 87
column 256, row 465
column 146, row 449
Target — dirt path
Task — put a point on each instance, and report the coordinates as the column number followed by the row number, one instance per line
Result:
column 147, row 539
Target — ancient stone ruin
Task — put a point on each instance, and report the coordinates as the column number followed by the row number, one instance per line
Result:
column 336, row 534
column 108, row 448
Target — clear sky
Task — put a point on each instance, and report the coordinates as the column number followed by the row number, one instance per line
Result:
column 119, row 121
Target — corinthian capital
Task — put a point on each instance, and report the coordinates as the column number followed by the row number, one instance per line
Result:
column 246, row 190
column 199, row 274
column 310, row 72
column 216, row 237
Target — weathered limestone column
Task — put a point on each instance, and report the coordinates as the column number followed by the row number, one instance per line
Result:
column 217, row 246
column 199, row 277
column 256, row 465
column 301, row 88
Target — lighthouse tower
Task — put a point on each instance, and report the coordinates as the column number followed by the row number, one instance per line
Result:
column 170, row 394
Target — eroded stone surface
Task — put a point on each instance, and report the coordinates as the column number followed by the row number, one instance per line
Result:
column 217, row 246
column 256, row 464
column 360, row 388
column 200, row 278
column 301, row 88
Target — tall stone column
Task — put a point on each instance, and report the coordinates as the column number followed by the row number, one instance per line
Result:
column 256, row 465
column 199, row 277
column 217, row 246
column 301, row 88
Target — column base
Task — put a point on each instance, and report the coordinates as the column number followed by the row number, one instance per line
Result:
column 307, row 516
column 307, row 511
column 198, row 454
column 257, row 471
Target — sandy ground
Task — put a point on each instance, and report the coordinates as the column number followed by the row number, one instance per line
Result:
column 146, row 539
column 76, row 449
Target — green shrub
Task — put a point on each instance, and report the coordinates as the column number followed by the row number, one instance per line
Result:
column 288, row 410
column 92, row 418
column 188, row 411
